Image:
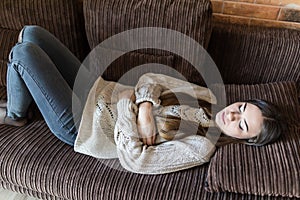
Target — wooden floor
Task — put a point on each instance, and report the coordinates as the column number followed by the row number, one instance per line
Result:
column 9, row 195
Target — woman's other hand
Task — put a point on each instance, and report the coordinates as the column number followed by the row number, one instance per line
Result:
column 145, row 123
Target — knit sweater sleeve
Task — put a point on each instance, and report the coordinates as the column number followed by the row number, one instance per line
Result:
column 151, row 86
column 166, row 157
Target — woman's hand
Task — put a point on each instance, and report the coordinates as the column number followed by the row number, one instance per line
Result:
column 145, row 123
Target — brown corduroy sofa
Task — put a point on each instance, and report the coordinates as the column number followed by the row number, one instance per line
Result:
column 255, row 62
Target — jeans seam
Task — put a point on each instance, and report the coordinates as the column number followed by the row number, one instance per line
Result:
column 41, row 89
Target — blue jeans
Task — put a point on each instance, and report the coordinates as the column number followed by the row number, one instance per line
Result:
column 42, row 69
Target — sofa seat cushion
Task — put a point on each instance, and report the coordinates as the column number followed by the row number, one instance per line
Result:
column 34, row 162
column 268, row 170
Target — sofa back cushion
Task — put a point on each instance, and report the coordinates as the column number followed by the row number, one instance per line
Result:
column 250, row 54
column 63, row 18
column 8, row 39
column 105, row 18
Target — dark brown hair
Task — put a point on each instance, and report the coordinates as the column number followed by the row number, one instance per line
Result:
column 273, row 124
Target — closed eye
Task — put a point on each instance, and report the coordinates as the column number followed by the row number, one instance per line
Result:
column 242, row 107
column 240, row 125
column 244, row 126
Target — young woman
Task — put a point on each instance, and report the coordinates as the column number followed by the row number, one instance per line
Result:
column 147, row 127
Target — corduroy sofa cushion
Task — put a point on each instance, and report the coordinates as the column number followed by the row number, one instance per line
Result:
column 105, row 18
column 109, row 17
column 63, row 18
column 131, row 63
column 7, row 40
column 269, row 170
column 252, row 54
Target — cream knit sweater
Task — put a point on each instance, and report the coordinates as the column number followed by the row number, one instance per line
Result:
column 108, row 127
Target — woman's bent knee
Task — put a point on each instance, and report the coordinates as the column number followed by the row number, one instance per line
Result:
column 23, row 51
column 28, row 32
column 31, row 33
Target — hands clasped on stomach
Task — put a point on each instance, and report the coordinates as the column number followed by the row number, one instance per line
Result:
column 145, row 120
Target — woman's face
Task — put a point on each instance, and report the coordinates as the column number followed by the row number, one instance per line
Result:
column 240, row 120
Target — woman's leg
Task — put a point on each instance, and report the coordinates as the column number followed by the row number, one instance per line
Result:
column 33, row 74
column 64, row 60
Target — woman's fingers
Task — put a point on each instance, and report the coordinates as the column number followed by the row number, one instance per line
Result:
column 153, row 139
column 147, row 134
column 149, row 140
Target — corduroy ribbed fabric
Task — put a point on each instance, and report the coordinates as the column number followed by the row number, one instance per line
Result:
column 269, row 170
column 8, row 38
column 252, row 54
column 131, row 61
column 63, row 18
column 109, row 17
